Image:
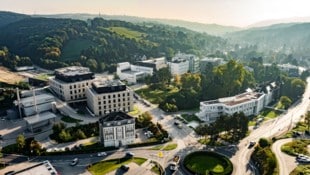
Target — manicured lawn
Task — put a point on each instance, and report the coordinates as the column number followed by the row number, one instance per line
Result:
column 300, row 127
column 158, row 147
column 171, row 146
column 42, row 77
column 70, row 119
column 155, row 169
column 296, row 147
column 72, row 49
column 204, row 162
column 128, row 33
column 269, row 114
column 301, row 169
column 107, row 166
column 155, row 96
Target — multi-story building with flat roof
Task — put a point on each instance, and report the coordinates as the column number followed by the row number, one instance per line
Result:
column 179, row 66
column 116, row 129
column 69, row 83
column 250, row 103
column 106, row 96
column 36, row 104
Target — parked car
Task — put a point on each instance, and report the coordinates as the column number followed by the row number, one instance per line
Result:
column 129, row 154
column 252, row 143
column 101, row 154
column 74, row 162
column 125, row 167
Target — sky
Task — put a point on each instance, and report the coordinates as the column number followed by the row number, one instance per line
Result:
column 225, row 12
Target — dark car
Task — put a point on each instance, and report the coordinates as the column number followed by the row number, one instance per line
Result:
column 252, row 143
column 125, row 167
column 9, row 173
column 129, row 154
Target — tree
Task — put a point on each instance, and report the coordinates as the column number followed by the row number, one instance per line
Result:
column 20, row 141
column 80, row 134
column 64, row 136
column 286, row 101
column 263, row 142
column 307, row 120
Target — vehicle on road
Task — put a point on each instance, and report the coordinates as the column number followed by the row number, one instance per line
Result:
column 74, row 162
column 125, row 167
column 101, row 154
column 252, row 144
column 129, row 154
column 178, row 124
column 174, row 164
column 9, row 173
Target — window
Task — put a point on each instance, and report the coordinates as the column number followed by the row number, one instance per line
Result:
column 70, row 87
column 74, row 86
column 113, row 95
column 99, row 103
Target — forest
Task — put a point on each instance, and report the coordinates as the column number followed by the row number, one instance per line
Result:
column 98, row 43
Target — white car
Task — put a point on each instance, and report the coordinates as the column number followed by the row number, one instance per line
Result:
column 74, row 162
column 101, row 154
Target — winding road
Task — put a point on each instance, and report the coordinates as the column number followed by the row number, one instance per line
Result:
column 270, row 129
column 286, row 162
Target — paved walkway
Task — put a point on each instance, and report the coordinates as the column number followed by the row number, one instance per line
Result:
column 51, row 145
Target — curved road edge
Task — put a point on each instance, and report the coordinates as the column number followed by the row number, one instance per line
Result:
column 286, row 163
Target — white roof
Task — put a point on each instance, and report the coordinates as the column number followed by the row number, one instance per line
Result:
column 39, row 117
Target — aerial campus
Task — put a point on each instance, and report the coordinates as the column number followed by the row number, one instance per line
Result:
column 104, row 94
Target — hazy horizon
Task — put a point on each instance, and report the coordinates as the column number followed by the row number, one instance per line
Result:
column 239, row 13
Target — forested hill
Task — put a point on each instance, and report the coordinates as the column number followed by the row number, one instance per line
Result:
column 10, row 17
column 289, row 38
column 55, row 43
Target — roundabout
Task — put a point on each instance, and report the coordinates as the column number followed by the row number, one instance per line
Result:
column 205, row 163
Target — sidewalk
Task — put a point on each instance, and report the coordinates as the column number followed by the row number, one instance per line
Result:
column 52, row 145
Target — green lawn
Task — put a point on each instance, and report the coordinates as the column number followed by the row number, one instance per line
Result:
column 72, row 49
column 155, row 96
column 42, row 77
column 170, row 146
column 70, row 119
column 157, row 147
column 107, row 166
column 269, row 114
column 296, row 147
column 204, row 162
column 155, row 169
column 300, row 127
column 301, row 170
column 131, row 34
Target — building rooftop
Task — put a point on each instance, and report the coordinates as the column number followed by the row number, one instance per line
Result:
column 108, row 86
column 235, row 100
column 116, row 118
column 73, row 70
column 107, row 83
column 41, row 98
column 39, row 117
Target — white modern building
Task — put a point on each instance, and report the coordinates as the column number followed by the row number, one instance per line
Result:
column 135, row 72
column 193, row 61
column 132, row 73
column 70, row 83
column 250, row 103
column 36, row 104
column 116, row 129
column 179, row 67
column 106, row 96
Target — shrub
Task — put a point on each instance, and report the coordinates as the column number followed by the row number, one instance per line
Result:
column 263, row 142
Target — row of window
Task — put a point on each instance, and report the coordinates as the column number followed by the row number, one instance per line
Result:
column 114, row 101
column 113, row 96
column 78, row 85
column 103, row 112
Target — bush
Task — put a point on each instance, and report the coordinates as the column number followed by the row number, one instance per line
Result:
column 266, row 160
column 263, row 142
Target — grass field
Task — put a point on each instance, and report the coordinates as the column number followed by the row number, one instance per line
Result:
column 270, row 114
column 154, row 96
column 203, row 162
column 301, row 169
column 9, row 77
column 170, row 146
column 190, row 117
column 296, row 147
column 42, row 77
column 127, row 33
column 72, row 49
column 107, row 166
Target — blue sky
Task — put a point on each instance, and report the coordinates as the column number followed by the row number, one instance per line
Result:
column 225, row 12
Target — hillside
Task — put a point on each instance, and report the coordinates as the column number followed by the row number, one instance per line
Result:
column 212, row 29
column 287, row 38
column 99, row 43
column 10, row 17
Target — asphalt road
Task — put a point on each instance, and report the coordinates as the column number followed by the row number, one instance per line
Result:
column 270, row 129
column 286, row 162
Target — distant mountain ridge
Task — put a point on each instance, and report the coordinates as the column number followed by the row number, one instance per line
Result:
column 10, row 17
column 280, row 21
column 212, row 29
